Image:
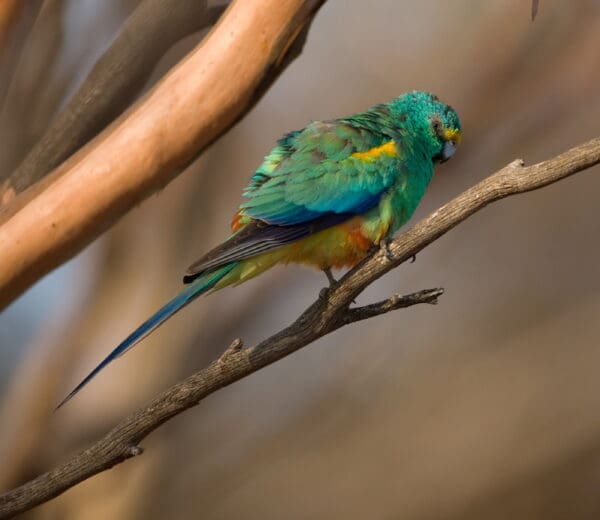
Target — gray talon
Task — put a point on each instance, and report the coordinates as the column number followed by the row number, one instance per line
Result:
column 385, row 246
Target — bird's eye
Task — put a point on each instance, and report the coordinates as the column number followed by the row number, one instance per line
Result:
column 436, row 124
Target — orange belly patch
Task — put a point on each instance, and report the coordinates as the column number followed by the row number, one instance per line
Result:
column 358, row 240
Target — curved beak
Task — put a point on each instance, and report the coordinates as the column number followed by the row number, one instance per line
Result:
column 448, row 150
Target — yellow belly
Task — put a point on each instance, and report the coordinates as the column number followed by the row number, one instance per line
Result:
column 343, row 245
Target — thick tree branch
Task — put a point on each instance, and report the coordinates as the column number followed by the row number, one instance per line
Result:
column 153, row 141
column 114, row 82
column 325, row 315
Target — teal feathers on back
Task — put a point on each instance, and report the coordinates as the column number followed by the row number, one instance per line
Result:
column 312, row 172
column 326, row 167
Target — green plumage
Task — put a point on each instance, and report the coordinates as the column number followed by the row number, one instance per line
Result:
column 320, row 170
column 324, row 196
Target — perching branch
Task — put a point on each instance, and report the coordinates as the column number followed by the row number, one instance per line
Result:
column 328, row 313
column 148, row 145
column 115, row 80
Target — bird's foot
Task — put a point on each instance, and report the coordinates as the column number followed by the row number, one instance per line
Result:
column 330, row 278
column 385, row 247
column 413, row 258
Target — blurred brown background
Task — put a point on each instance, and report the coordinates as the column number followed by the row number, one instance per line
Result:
column 486, row 406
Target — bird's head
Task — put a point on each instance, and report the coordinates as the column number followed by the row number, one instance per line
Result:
column 435, row 125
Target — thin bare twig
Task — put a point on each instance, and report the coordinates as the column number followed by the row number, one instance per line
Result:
column 326, row 314
column 398, row 301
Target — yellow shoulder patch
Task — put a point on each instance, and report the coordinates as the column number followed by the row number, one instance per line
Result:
column 388, row 148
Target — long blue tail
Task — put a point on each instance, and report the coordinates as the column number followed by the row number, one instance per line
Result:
column 190, row 293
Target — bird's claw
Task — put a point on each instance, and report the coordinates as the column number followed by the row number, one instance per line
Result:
column 385, row 247
column 413, row 258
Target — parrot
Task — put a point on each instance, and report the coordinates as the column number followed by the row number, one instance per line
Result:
column 324, row 196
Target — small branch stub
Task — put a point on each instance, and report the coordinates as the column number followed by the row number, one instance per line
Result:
column 236, row 345
column 134, row 450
